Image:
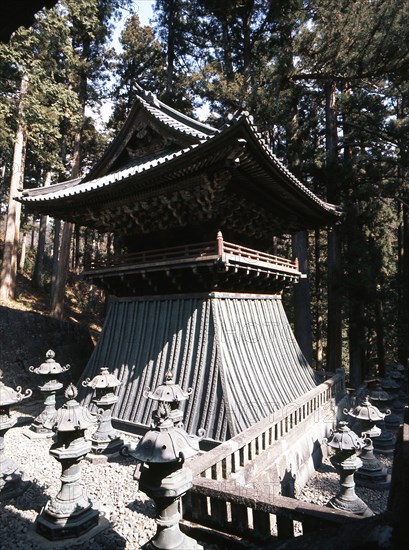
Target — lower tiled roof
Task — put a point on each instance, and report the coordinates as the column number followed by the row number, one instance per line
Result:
column 236, row 351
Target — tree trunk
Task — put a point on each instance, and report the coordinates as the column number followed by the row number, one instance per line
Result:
column 56, row 253
column 380, row 346
column 9, row 264
column 403, row 274
column 170, row 53
column 77, row 249
column 302, row 298
column 403, row 244
column 334, row 334
column 57, row 304
column 22, row 261
column 357, row 343
column 319, row 321
column 42, row 234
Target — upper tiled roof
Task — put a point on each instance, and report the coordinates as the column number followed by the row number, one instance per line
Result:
column 79, row 186
column 172, row 118
column 186, row 149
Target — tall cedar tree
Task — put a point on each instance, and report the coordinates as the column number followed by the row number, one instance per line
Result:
column 42, row 100
column 350, row 45
column 140, row 61
column 89, row 23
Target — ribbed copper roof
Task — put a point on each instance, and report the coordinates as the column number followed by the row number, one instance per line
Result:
column 237, row 353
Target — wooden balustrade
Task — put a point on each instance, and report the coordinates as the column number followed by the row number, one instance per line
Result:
column 218, row 250
column 262, row 435
column 248, row 513
column 218, row 501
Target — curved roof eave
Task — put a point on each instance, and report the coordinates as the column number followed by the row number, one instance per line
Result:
column 173, row 121
column 243, row 126
column 239, row 139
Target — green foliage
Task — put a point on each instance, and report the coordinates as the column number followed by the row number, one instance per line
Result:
column 273, row 58
column 141, row 61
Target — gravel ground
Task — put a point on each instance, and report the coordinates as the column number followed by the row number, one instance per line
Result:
column 325, row 484
column 110, row 486
column 114, row 492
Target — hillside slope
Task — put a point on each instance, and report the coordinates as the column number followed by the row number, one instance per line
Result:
column 27, row 332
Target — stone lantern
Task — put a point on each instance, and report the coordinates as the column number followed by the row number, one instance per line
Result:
column 11, row 482
column 105, row 440
column 393, row 388
column 162, row 452
column 70, row 513
column 385, row 443
column 50, row 371
column 346, row 443
column 366, row 415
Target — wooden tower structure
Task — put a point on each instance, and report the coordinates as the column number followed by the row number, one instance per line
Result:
column 194, row 284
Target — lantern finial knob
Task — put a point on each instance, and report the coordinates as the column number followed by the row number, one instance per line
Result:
column 71, row 392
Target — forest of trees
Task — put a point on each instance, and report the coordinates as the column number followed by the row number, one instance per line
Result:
column 327, row 82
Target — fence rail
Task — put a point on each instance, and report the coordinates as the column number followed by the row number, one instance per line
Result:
column 218, row 499
column 217, row 251
column 244, row 512
column 237, row 452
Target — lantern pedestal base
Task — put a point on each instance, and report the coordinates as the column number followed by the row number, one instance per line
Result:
column 371, row 474
column 186, row 544
column 11, row 477
column 108, row 447
column 356, row 506
column 379, row 483
column 385, row 445
column 59, row 528
column 36, row 433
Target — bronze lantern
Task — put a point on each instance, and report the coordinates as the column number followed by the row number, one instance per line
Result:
column 11, row 477
column 345, row 460
column 163, row 476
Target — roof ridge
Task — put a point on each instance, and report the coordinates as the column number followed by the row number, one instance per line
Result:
column 154, row 101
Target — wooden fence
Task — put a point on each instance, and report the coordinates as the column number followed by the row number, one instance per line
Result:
column 219, row 499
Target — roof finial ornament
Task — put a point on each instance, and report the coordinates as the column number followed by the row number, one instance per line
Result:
column 169, row 376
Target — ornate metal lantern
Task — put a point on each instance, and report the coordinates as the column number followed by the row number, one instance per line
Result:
column 11, row 482
column 50, row 371
column 70, row 513
column 162, row 452
column 371, row 473
column 346, row 443
column 106, row 439
column 385, row 443
column 393, row 387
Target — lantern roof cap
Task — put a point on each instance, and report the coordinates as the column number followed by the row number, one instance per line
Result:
column 71, row 416
column 9, row 396
column 344, row 439
column 50, row 365
column 398, row 367
column 103, row 380
column 166, row 445
column 366, row 411
column 168, row 392
column 389, row 384
column 378, row 394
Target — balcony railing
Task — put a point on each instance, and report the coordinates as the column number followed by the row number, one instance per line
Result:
column 218, row 251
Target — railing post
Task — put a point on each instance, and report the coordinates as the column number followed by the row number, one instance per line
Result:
column 285, row 527
column 220, row 245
